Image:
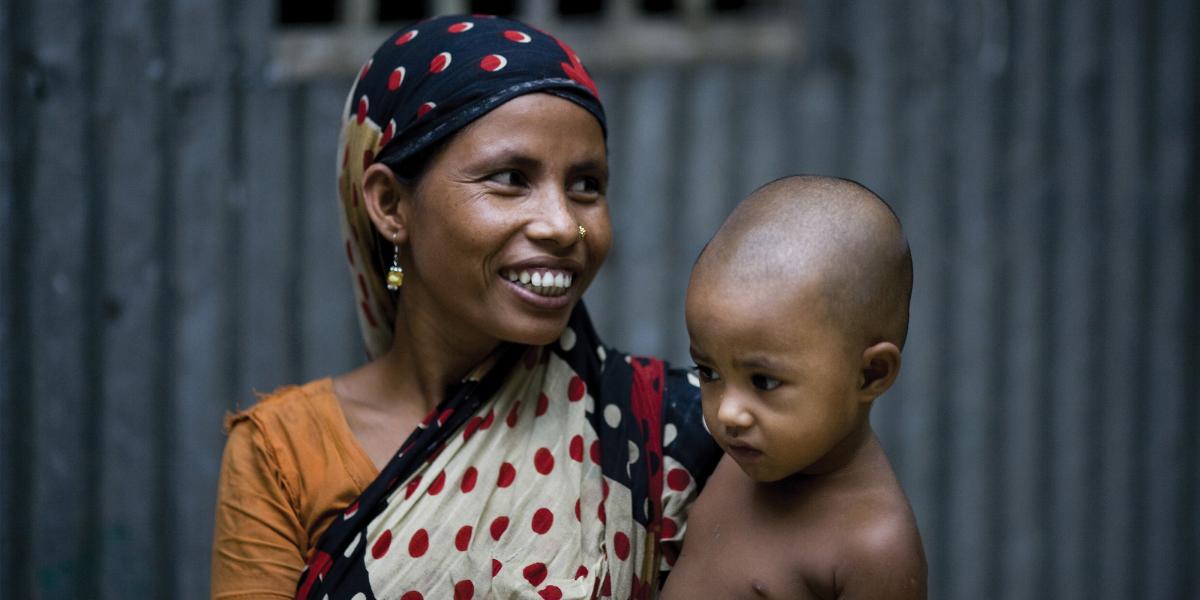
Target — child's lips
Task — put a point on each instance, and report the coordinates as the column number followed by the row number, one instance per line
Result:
column 743, row 452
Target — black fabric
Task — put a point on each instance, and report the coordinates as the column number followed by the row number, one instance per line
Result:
column 430, row 80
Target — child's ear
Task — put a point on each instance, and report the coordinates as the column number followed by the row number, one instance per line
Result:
column 880, row 366
column 388, row 202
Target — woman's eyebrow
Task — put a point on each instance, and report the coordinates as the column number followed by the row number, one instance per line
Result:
column 530, row 164
column 591, row 166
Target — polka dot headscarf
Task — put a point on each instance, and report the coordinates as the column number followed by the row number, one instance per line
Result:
column 422, row 85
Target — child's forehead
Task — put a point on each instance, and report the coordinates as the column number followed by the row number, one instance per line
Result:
column 752, row 289
column 763, row 312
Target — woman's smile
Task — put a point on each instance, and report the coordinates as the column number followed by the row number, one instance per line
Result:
column 543, row 282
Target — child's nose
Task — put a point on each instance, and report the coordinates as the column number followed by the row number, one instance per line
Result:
column 734, row 415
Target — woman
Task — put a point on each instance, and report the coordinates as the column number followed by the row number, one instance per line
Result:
column 493, row 447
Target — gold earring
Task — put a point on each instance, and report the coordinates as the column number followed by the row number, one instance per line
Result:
column 582, row 231
column 395, row 276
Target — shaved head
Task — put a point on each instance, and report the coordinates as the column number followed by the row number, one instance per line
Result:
column 824, row 233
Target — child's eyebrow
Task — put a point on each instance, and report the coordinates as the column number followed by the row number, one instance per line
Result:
column 756, row 362
column 697, row 355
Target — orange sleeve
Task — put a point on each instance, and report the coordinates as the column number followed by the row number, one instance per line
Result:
column 258, row 536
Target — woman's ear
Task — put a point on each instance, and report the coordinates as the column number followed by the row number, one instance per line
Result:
column 387, row 202
column 880, row 367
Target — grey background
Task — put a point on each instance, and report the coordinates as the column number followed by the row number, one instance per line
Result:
column 168, row 246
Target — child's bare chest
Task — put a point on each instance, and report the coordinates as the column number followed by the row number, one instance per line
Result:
column 736, row 548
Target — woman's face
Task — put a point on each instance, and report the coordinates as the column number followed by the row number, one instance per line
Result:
column 493, row 225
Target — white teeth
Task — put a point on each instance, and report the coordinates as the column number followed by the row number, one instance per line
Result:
column 543, row 283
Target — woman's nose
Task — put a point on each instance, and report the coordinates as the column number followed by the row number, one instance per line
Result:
column 552, row 219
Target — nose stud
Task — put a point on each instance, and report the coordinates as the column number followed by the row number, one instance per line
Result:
column 582, row 231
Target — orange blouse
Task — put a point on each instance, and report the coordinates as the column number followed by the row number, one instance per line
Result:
column 291, row 465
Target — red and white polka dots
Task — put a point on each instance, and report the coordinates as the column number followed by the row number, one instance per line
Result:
column 388, row 132
column 382, row 544
column 418, row 545
column 519, row 37
column 396, row 78
column 543, row 461
column 439, row 482
column 462, row 539
column 440, row 63
column 364, row 104
column 459, row 512
column 406, row 37
column 498, row 527
column 470, row 476
column 543, row 520
column 508, row 474
column 535, row 573
column 493, row 63
column 464, row 590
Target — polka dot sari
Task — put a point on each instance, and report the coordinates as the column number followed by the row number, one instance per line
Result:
column 562, row 471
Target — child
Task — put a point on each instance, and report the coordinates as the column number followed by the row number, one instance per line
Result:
column 797, row 311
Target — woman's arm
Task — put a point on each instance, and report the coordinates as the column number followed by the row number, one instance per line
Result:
column 257, row 538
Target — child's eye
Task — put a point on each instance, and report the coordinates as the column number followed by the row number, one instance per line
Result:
column 707, row 373
column 764, row 383
column 509, row 178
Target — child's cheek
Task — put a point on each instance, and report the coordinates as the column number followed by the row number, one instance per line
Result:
column 707, row 411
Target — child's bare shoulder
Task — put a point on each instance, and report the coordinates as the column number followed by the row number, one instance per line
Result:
column 876, row 547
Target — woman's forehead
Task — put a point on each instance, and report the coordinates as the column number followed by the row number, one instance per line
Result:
column 535, row 120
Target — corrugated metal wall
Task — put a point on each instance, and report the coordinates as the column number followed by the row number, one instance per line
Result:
column 169, row 245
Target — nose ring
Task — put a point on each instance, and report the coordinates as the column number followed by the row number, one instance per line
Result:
column 582, row 231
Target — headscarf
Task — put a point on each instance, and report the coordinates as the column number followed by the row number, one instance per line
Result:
column 422, row 85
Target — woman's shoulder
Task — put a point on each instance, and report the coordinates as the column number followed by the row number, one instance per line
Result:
column 294, row 427
column 289, row 410
column 299, row 436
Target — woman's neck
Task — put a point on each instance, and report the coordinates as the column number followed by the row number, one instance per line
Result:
column 427, row 355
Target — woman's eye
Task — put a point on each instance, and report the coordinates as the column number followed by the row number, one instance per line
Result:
column 589, row 186
column 764, row 383
column 509, row 178
column 707, row 373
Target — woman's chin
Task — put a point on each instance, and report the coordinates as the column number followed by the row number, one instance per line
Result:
column 538, row 331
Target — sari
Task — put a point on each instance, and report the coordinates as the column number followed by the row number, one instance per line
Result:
column 562, row 471
column 559, row 471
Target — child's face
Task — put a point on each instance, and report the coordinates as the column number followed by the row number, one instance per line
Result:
column 779, row 382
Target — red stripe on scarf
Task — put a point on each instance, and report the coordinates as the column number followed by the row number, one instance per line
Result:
column 646, row 401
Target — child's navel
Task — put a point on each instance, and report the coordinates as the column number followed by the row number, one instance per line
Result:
column 760, row 588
